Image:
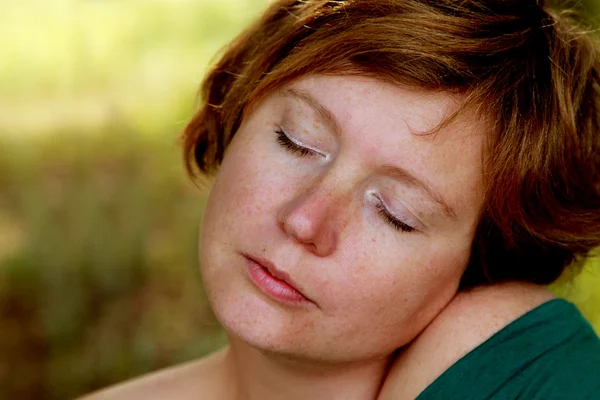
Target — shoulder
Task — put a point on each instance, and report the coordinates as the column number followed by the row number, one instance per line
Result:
column 179, row 382
column 470, row 319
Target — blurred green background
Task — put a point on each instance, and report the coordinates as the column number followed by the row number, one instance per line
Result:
column 98, row 222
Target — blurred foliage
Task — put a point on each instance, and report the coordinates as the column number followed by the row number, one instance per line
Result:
column 98, row 277
column 98, row 223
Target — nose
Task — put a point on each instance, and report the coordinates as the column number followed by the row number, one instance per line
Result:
column 309, row 220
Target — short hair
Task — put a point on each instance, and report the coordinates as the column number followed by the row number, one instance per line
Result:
column 532, row 73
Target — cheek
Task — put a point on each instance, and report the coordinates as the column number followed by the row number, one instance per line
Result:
column 240, row 187
column 396, row 283
column 399, row 299
column 443, row 269
column 255, row 172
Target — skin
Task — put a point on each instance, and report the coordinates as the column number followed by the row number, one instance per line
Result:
column 316, row 215
column 466, row 322
column 470, row 319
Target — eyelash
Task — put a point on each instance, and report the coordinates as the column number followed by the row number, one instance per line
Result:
column 393, row 221
column 284, row 141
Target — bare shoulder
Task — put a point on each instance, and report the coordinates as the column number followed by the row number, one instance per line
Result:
column 183, row 381
column 468, row 320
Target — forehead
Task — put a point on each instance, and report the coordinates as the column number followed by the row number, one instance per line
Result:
column 351, row 97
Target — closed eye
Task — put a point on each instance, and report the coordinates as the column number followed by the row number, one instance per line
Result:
column 292, row 146
column 392, row 220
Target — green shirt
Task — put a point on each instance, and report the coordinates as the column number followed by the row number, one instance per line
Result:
column 549, row 353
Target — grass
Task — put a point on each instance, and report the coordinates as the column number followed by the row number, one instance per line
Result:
column 98, row 224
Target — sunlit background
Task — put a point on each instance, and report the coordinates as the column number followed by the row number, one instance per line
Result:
column 98, row 224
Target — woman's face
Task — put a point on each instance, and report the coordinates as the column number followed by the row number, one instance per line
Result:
column 331, row 185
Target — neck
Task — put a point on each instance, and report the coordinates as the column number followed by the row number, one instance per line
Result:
column 258, row 375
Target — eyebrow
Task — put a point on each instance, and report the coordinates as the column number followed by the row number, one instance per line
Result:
column 393, row 171
column 326, row 115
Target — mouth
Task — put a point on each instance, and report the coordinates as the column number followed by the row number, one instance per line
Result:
column 275, row 283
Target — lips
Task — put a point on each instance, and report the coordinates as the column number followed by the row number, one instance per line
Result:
column 275, row 283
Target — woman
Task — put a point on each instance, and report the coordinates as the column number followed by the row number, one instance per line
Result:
column 396, row 182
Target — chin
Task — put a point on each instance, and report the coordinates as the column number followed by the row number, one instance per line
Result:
column 249, row 318
column 254, row 322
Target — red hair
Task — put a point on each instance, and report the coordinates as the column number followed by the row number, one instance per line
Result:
column 526, row 70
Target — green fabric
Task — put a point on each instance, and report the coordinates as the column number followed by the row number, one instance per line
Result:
column 549, row 353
